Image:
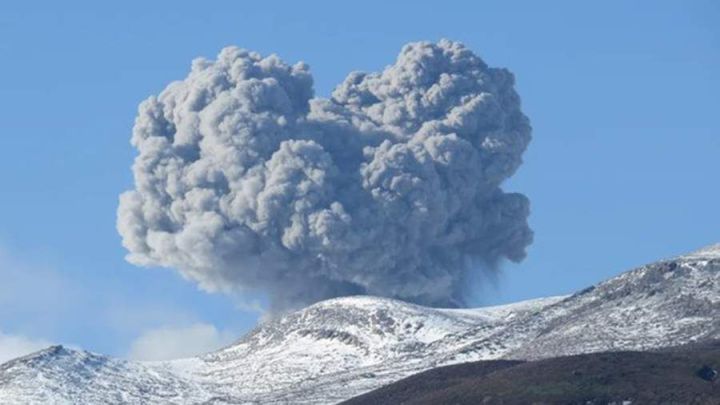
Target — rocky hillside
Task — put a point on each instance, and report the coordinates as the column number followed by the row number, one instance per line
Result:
column 683, row 375
column 337, row 349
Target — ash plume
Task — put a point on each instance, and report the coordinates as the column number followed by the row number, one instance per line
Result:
column 245, row 181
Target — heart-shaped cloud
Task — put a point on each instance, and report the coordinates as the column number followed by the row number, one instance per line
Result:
column 391, row 187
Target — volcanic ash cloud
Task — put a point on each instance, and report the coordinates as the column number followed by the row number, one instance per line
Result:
column 244, row 181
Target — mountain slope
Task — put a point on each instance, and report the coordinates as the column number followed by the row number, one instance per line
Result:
column 354, row 342
column 663, row 304
column 683, row 375
column 343, row 347
column 60, row 375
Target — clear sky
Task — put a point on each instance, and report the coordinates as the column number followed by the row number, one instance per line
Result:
column 623, row 168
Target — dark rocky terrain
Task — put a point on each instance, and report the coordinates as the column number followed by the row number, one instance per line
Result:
column 341, row 348
column 683, row 375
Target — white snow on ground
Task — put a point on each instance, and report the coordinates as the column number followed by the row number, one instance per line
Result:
column 339, row 348
column 708, row 252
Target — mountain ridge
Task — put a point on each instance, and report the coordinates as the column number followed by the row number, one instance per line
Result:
column 339, row 348
column 679, row 375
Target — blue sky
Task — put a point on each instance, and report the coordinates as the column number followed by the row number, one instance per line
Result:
column 622, row 170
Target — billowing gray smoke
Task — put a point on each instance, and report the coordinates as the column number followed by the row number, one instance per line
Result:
column 246, row 182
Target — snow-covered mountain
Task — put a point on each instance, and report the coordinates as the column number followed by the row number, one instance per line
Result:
column 339, row 348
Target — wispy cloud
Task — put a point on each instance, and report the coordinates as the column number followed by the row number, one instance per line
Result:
column 168, row 343
column 12, row 346
column 42, row 304
column 30, row 296
column 34, row 289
